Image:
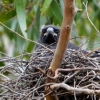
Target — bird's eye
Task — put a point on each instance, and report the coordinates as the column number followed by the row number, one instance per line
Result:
column 56, row 30
column 44, row 30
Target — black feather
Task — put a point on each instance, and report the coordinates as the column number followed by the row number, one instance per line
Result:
column 50, row 39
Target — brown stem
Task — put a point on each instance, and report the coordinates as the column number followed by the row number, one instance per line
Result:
column 69, row 14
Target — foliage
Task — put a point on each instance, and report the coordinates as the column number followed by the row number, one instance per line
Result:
column 27, row 16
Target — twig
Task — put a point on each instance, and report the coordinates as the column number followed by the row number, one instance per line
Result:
column 4, row 76
column 89, row 17
column 11, row 90
column 89, row 54
column 48, row 84
column 25, row 38
column 70, row 88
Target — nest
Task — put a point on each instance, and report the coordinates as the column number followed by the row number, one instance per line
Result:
column 25, row 80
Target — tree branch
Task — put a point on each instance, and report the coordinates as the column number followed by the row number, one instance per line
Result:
column 69, row 13
column 73, row 89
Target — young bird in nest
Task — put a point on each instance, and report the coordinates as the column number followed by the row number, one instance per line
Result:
column 49, row 37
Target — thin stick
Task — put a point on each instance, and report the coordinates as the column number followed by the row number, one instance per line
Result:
column 70, row 88
column 89, row 17
column 25, row 38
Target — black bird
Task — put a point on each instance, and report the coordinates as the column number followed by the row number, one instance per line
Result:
column 49, row 37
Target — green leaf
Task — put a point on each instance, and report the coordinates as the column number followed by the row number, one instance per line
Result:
column 56, row 10
column 38, row 17
column 20, row 9
column 7, row 1
column 62, row 6
column 46, row 5
column 21, row 45
column 6, row 16
column 31, row 45
column 2, row 64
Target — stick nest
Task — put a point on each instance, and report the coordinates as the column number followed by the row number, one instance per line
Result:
column 25, row 80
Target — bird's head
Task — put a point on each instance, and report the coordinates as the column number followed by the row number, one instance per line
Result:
column 49, row 34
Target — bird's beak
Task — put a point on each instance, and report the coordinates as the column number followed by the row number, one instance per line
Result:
column 45, row 34
column 54, row 34
column 50, row 31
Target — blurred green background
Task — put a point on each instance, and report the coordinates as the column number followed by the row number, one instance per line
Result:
column 27, row 16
